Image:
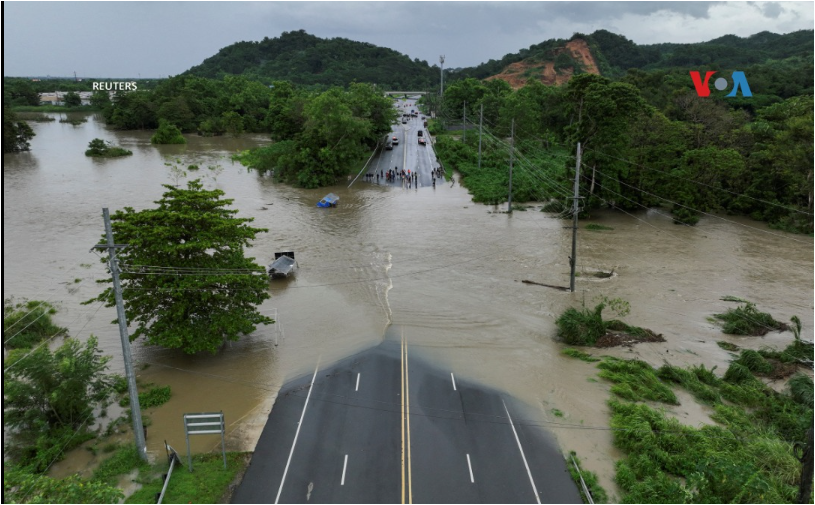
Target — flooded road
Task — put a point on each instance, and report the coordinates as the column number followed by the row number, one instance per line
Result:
column 447, row 270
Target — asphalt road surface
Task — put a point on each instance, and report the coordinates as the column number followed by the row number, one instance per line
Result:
column 384, row 427
column 407, row 154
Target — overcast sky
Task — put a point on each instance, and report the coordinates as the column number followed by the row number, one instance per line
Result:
column 157, row 39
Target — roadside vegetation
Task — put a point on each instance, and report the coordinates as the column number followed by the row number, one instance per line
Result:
column 208, row 483
column 745, row 455
column 319, row 138
column 598, row 494
column 49, row 400
column 99, row 148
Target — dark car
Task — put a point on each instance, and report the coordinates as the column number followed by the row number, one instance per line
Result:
column 389, row 146
column 420, row 133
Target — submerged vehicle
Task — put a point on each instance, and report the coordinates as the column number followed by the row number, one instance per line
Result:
column 283, row 265
column 329, row 200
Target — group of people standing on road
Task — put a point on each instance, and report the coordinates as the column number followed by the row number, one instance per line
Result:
column 407, row 178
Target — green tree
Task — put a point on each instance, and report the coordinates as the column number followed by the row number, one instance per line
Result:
column 97, row 147
column 16, row 133
column 100, row 100
column 72, row 99
column 49, row 398
column 186, row 282
column 167, row 133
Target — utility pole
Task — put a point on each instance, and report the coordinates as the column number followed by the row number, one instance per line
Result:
column 573, row 257
column 805, row 489
column 480, row 128
column 135, row 409
column 441, row 62
column 464, row 120
column 511, row 159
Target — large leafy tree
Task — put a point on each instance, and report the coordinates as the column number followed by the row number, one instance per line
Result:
column 16, row 133
column 186, row 283
column 50, row 397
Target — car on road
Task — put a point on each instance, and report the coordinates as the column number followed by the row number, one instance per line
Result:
column 420, row 133
column 422, row 141
column 389, row 146
column 395, row 140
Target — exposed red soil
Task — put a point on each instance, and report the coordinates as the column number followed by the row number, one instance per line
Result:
column 516, row 74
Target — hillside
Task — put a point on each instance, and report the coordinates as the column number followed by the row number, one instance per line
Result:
column 554, row 61
column 309, row 60
column 575, row 54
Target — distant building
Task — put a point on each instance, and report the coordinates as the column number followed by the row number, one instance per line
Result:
column 58, row 97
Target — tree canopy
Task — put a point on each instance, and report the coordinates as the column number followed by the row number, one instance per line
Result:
column 49, row 397
column 186, row 283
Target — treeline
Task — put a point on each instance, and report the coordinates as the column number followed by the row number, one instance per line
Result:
column 616, row 55
column 320, row 136
column 234, row 104
column 648, row 141
column 23, row 91
column 308, row 60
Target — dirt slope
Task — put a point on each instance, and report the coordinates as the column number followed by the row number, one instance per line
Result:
column 518, row 73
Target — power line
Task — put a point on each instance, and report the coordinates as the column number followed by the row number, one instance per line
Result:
column 699, row 211
column 701, row 183
column 54, row 336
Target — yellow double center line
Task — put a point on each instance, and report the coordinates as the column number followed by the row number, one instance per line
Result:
column 405, row 421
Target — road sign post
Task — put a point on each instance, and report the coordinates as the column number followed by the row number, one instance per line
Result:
column 204, row 423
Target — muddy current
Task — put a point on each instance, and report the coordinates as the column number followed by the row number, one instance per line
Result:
column 428, row 260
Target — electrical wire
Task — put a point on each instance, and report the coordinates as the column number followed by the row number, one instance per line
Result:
column 700, row 211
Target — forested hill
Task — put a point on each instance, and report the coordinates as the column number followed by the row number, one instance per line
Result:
column 615, row 54
column 309, row 60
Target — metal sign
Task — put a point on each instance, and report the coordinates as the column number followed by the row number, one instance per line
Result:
column 204, row 423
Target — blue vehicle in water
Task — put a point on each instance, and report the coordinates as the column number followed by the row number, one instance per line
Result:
column 329, row 200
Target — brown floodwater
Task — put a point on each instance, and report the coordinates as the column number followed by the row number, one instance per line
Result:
column 428, row 261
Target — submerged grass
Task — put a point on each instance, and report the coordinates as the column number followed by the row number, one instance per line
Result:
column 727, row 346
column 635, row 380
column 574, row 353
column 747, row 320
column 746, row 458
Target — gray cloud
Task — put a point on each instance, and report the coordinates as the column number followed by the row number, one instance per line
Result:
column 128, row 39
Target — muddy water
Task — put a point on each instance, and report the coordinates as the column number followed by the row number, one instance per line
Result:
column 429, row 261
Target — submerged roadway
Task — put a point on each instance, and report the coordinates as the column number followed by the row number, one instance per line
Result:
column 385, row 427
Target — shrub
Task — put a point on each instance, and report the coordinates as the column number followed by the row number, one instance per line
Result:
column 584, row 327
column 27, row 323
column 167, row 133
column 99, row 148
